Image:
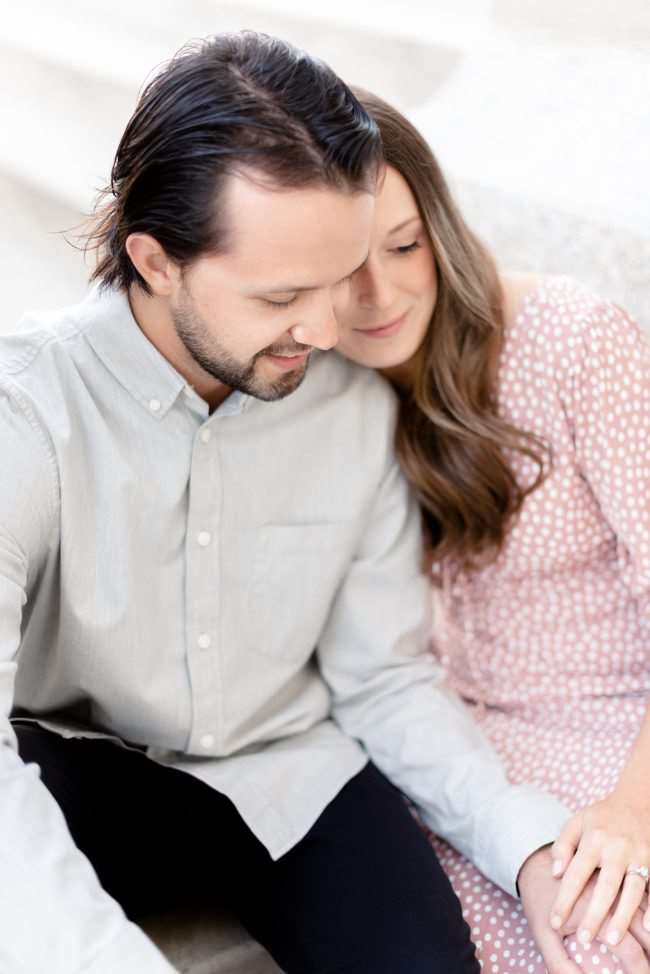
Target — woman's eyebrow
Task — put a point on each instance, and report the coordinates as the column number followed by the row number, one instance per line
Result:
column 405, row 223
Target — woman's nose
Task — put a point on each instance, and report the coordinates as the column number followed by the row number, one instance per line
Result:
column 373, row 287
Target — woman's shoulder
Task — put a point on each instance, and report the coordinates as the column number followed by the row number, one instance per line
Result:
column 555, row 317
column 542, row 297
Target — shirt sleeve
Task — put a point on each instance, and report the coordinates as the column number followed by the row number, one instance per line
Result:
column 55, row 916
column 608, row 405
column 388, row 693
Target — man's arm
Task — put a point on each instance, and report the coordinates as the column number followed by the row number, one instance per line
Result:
column 55, row 916
column 388, row 693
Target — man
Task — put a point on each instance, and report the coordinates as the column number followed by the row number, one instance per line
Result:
column 210, row 606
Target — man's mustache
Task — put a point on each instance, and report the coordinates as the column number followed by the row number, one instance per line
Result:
column 287, row 350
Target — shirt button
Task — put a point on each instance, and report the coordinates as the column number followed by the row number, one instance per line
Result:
column 205, row 436
column 204, row 538
column 154, row 405
column 207, row 741
column 204, row 640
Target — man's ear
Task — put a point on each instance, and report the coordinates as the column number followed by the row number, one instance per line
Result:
column 151, row 261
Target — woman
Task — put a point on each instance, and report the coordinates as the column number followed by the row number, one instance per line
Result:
column 525, row 429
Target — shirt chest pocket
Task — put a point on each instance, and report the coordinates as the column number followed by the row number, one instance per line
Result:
column 297, row 570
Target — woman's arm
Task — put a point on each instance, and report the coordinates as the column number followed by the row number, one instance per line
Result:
column 607, row 400
column 610, row 835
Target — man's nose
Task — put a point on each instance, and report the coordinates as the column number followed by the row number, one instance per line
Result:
column 319, row 327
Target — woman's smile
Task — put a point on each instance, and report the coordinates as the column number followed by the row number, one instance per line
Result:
column 385, row 331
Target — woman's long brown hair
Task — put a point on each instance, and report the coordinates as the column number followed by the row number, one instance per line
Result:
column 451, row 441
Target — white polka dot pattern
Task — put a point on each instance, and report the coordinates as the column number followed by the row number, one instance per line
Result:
column 550, row 645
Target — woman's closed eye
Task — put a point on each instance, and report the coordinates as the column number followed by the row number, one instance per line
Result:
column 407, row 248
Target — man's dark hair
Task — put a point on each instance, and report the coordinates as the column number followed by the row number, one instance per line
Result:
column 221, row 105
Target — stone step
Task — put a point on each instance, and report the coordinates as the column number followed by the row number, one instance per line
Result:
column 581, row 117
column 567, row 127
column 202, row 942
column 609, row 22
column 39, row 269
column 525, row 236
column 61, row 128
column 70, row 81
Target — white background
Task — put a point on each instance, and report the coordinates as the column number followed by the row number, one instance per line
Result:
column 539, row 111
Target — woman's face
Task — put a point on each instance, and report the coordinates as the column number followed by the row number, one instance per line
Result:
column 384, row 313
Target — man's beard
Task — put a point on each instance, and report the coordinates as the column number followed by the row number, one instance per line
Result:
column 221, row 365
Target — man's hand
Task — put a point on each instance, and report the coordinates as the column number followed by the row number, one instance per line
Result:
column 538, row 889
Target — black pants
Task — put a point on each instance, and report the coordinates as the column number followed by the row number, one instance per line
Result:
column 362, row 893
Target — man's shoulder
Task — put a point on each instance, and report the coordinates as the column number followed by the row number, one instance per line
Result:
column 35, row 338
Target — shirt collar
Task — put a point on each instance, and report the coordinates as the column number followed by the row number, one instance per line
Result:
column 236, row 403
column 138, row 366
column 233, row 405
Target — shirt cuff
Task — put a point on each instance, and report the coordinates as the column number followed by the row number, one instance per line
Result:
column 131, row 952
column 523, row 821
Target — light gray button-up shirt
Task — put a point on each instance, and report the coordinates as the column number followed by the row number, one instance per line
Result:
column 238, row 592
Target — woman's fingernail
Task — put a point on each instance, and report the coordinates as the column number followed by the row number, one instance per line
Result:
column 557, row 867
column 613, row 937
column 556, row 921
column 584, row 937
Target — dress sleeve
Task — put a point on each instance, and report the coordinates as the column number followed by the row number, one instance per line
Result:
column 608, row 404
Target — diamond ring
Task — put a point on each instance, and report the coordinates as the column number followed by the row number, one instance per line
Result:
column 641, row 871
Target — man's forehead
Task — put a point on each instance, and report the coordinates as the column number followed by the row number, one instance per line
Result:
column 253, row 208
column 296, row 238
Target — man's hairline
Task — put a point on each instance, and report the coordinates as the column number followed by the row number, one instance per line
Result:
column 257, row 176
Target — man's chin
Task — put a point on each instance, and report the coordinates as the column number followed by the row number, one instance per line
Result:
column 269, row 389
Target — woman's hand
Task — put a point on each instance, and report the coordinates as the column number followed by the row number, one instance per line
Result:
column 609, row 836
column 538, row 890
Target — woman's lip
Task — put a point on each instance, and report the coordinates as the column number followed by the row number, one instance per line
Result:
column 384, row 331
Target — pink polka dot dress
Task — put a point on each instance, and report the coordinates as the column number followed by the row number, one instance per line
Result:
column 550, row 644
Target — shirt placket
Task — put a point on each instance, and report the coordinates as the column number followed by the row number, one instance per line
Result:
column 203, row 585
